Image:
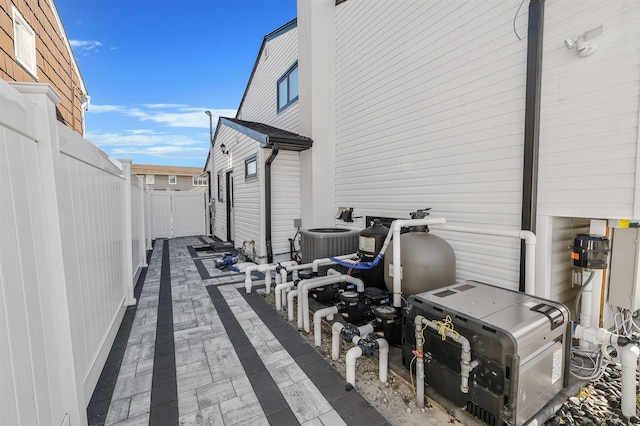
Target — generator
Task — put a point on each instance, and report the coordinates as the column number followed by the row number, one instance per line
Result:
column 521, row 343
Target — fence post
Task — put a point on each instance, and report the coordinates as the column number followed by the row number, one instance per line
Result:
column 127, row 233
column 143, row 223
column 40, row 101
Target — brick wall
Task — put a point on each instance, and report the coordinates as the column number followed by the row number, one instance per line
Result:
column 54, row 64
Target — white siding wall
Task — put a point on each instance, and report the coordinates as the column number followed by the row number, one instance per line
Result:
column 589, row 121
column 430, row 113
column 248, row 195
column 260, row 103
column 285, row 204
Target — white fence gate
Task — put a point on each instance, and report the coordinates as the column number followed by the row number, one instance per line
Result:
column 178, row 214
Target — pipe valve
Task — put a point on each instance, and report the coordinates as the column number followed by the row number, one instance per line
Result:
column 349, row 332
column 368, row 346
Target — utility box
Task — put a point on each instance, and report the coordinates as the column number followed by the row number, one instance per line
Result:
column 624, row 274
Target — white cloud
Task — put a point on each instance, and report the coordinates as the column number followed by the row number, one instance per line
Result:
column 84, row 47
column 170, row 115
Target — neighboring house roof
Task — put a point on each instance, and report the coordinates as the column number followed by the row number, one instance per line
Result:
column 278, row 32
column 145, row 169
column 269, row 135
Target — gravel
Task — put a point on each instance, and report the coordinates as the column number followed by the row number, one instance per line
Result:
column 597, row 403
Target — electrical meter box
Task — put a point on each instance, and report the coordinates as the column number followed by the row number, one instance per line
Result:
column 624, row 274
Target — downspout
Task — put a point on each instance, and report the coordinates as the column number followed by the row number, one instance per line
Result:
column 531, row 127
column 210, row 212
column 267, row 200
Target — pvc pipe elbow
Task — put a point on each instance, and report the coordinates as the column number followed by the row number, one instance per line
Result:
column 350, row 361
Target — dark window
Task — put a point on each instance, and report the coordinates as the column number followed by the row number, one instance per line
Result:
column 251, row 167
column 288, row 87
column 220, row 186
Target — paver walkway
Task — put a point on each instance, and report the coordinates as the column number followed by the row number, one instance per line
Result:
column 198, row 350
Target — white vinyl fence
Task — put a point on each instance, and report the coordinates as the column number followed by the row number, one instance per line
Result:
column 73, row 235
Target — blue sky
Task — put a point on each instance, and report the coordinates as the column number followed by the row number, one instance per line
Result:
column 152, row 67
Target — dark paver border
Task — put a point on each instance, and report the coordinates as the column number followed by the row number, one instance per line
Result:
column 98, row 406
column 350, row 405
column 164, row 387
column 271, row 400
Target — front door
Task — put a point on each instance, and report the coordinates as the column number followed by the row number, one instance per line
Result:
column 229, row 202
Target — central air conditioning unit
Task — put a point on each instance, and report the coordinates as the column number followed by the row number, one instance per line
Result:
column 319, row 243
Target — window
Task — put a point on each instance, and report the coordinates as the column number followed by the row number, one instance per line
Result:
column 200, row 181
column 251, row 167
column 288, row 88
column 24, row 43
column 220, row 186
column 150, row 179
column 173, row 180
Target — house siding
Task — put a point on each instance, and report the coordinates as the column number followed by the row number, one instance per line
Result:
column 260, row 103
column 589, row 113
column 54, row 62
column 423, row 124
column 285, row 205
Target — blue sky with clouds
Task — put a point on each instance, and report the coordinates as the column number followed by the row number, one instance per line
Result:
column 152, row 67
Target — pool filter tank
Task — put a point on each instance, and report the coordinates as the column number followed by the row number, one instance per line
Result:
column 428, row 261
column 520, row 342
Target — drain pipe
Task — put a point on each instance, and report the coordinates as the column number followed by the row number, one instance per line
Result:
column 348, row 333
column 317, row 322
column 628, row 358
column 396, row 226
column 528, row 238
column 305, row 285
column 531, row 129
column 267, row 199
column 367, row 347
column 466, row 364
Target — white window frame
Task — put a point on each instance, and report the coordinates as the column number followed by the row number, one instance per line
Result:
column 200, row 181
column 24, row 43
column 252, row 159
column 150, row 179
column 173, row 180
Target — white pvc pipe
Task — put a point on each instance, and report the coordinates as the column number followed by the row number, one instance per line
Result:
column 317, row 322
column 335, row 340
column 280, row 292
column 630, row 355
column 529, row 241
column 396, row 226
column 290, row 296
column 335, row 337
column 466, row 365
column 327, row 261
column 354, row 353
column 383, row 359
column 264, row 268
column 305, row 285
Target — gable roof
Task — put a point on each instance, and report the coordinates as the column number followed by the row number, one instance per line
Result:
column 273, row 34
column 269, row 135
